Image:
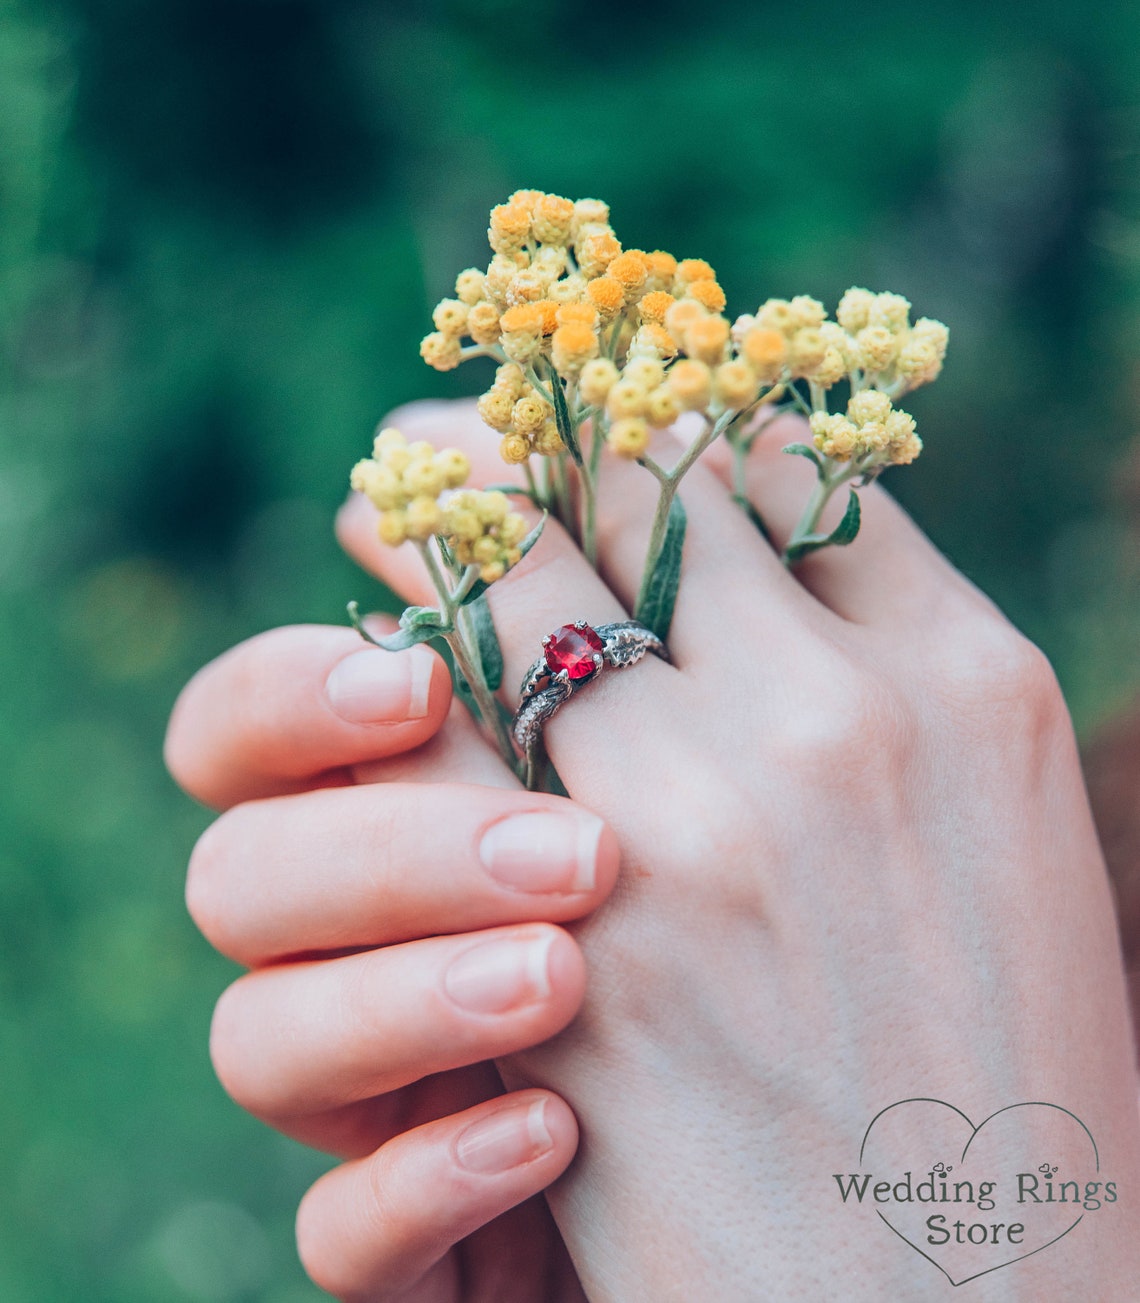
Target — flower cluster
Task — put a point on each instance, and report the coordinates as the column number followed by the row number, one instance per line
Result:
column 638, row 336
column 871, row 342
column 872, row 433
column 404, row 481
column 480, row 529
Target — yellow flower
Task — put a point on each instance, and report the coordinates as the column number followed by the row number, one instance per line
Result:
column 548, row 442
column 423, row 517
column 588, row 212
column 572, row 346
column 607, row 295
column 494, row 407
column 597, row 379
column 693, row 269
column 510, row 226
column 766, row 351
column 514, row 449
column 568, row 290
column 777, row 314
column 525, row 286
column 596, row 250
column 469, row 286
column 691, row 381
column 511, row 379
column 662, row 407
column 654, row 306
column 735, row 384
column 806, row 350
column 626, row 399
column 378, row 483
column 553, row 217
column 661, row 268
column 628, row 437
column 807, row 313
column 422, row 478
column 454, row 466
column 450, row 317
column 705, row 339
column 582, row 314
column 482, row 530
column 629, row 269
column 891, row 311
column 644, row 371
column 652, row 341
column 878, row 346
column 529, row 413
column 483, row 324
column 854, row 310
column 392, row 527
column 680, row 316
column 441, row 351
column 708, row 293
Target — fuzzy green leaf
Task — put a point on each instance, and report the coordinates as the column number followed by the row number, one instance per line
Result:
column 656, row 611
column 478, row 588
column 806, row 450
column 562, row 416
column 418, row 624
column 490, row 654
column 415, row 616
column 840, row 536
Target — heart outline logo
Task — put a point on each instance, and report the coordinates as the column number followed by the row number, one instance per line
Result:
column 974, row 1130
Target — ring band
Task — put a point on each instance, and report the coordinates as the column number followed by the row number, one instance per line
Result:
column 575, row 655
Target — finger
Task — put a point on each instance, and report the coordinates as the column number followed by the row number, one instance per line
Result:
column 374, row 1228
column 361, row 1128
column 402, row 860
column 458, row 753
column 893, row 574
column 307, row 1038
column 292, row 708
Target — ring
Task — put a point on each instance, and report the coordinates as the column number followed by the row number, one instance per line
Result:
column 573, row 656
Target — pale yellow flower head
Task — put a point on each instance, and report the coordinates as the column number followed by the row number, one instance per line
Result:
column 481, row 529
column 401, row 479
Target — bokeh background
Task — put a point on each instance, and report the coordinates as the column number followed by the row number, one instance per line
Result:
column 222, row 225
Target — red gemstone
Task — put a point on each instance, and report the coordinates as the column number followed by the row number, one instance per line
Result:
column 573, row 650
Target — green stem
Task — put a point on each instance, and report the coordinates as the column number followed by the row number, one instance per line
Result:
column 669, row 480
column 465, row 650
column 820, row 496
column 589, row 480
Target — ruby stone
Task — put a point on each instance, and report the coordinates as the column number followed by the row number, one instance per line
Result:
column 573, row 650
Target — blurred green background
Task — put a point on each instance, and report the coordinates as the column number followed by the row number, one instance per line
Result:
column 222, row 225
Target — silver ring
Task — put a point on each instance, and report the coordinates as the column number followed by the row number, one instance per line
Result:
column 575, row 655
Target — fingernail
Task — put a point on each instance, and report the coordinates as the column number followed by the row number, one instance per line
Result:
column 379, row 687
column 543, row 850
column 506, row 1139
column 500, row 975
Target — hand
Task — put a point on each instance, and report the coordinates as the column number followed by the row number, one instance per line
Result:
column 350, row 1034
column 858, row 866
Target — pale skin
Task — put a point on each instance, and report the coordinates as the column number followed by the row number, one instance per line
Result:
column 856, row 864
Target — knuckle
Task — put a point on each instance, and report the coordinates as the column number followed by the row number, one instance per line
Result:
column 853, row 725
column 998, row 674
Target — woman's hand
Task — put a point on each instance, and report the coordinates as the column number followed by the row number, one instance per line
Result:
column 858, row 867
column 350, row 1033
